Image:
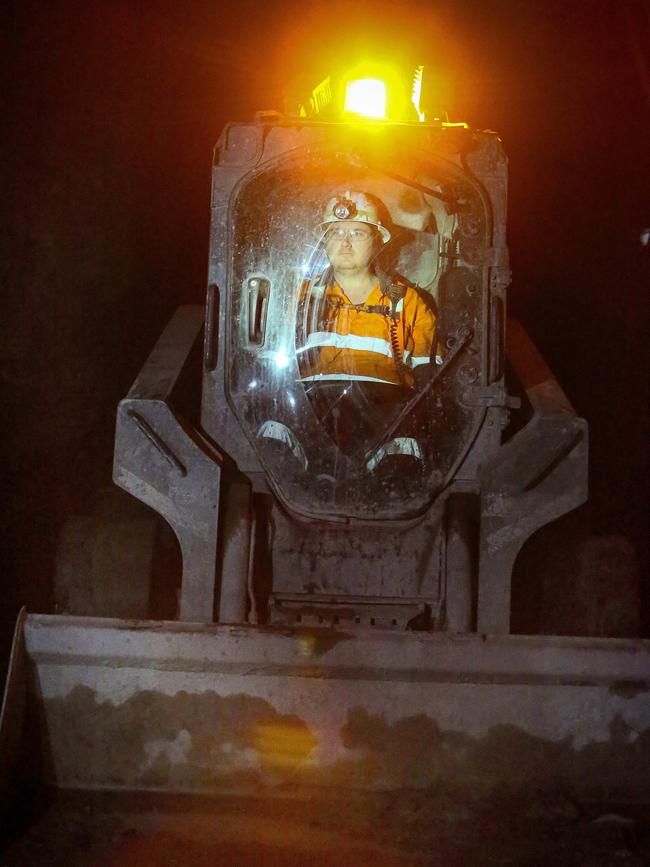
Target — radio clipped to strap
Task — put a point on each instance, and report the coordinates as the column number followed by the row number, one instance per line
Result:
column 395, row 292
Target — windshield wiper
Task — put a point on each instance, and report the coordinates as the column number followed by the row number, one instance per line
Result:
column 462, row 336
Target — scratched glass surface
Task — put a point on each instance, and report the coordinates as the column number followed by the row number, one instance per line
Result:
column 345, row 446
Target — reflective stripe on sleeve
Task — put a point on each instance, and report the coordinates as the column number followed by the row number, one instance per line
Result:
column 347, row 341
column 276, row 430
column 396, row 446
column 324, row 377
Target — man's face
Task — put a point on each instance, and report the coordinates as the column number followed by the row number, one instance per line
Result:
column 350, row 245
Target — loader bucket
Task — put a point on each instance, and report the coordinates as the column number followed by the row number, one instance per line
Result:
column 184, row 707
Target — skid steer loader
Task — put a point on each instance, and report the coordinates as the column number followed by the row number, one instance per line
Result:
column 344, row 607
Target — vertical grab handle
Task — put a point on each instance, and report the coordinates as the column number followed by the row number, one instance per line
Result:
column 258, row 302
column 211, row 346
column 496, row 339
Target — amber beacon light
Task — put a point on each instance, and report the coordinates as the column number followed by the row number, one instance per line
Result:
column 375, row 95
column 366, row 97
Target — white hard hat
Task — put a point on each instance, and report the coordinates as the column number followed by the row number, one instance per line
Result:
column 352, row 205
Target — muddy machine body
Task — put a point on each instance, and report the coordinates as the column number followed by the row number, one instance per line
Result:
column 340, row 600
column 432, row 545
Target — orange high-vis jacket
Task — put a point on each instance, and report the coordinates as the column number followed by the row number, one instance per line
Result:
column 353, row 342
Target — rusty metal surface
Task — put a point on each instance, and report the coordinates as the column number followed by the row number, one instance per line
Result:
column 175, row 706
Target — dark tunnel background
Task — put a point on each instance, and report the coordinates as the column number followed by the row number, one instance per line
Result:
column 111, row 113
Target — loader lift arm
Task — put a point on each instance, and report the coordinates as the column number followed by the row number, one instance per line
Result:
column 170, row 466
column 535, row 478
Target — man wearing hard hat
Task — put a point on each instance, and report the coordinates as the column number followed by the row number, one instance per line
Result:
column 371, row 327
column 366, row 338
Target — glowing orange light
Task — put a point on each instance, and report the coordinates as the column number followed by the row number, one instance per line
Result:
column 367, row 97
column 416, row 93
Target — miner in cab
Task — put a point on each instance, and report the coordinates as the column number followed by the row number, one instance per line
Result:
column 364, row 336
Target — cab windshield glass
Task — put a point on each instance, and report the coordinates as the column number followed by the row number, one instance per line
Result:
column 355, row 302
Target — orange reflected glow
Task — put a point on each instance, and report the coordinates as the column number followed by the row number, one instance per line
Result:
column 283, row 744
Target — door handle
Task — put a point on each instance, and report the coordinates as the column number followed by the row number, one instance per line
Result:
column 259, row 289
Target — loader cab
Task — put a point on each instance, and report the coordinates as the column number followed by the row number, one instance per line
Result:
column 308, row 499
column 330, row 446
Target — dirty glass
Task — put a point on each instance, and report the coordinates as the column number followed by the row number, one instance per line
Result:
column 356, row 406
